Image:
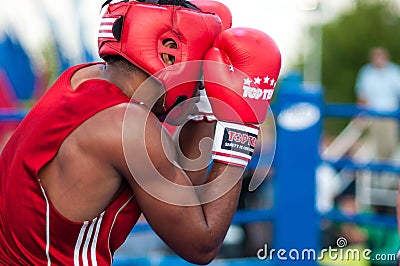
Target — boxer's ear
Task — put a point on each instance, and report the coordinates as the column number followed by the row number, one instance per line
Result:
column 168, row 58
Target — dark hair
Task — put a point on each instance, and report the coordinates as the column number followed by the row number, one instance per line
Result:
column 119, row 60
column 182, row 3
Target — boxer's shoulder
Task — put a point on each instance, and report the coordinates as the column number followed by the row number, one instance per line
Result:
column 89, row 71
column 103, row 135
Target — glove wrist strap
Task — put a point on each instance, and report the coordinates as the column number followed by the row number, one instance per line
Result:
column 234, row 143
column 203, row 118
column 205, row 113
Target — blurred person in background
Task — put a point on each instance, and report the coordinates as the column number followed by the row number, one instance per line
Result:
column 378, row 89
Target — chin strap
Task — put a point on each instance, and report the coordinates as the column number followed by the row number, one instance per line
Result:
column 151, row 1
column 161, row 116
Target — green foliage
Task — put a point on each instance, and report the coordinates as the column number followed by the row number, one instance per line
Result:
column 346, row 42
column 49, row 54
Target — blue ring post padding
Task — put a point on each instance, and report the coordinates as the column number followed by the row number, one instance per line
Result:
column 251, row 216
column 296, row 224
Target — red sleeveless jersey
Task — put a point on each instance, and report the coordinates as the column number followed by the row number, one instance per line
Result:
column 32, row 232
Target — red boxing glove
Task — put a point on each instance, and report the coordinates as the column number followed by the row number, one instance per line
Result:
column 240, row 74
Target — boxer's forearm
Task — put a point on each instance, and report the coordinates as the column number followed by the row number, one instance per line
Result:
column 194, row 143
column 219, row 203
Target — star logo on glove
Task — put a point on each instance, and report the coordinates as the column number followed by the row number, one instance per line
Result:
column 247, row 81
column 272, row 83
column 257, row 80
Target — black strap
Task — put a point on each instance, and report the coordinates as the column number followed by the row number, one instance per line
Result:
column 191, row 6
column 107, row 2
column 155, row 2
column 152, row 1
column 163, row 115
column 186, row 4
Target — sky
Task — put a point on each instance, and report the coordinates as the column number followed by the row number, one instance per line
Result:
column 75, row 22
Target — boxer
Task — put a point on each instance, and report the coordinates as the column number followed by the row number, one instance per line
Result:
column 69, row 189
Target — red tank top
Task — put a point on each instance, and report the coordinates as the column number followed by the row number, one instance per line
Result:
column 32, row 232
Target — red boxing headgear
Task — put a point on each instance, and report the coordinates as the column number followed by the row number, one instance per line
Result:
column 138, row 32
column 217, row 8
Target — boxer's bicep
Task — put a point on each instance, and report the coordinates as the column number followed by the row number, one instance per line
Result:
column 163, row 190
column 149, row 151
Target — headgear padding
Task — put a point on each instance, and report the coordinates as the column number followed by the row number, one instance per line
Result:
column 138, row 31
column 217, row 8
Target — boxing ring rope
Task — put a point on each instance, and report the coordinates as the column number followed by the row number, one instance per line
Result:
column 295, row 219
column 12, row 114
